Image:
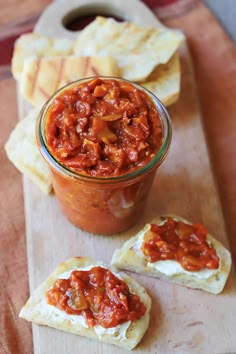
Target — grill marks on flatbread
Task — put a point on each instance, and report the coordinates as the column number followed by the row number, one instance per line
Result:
column 38, row 46
column 138, row 50
column 31, row 77
column 41, row 77
column 22, row 150
column 60, row 72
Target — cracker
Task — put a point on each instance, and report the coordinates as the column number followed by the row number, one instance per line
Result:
column 36, row 46
column 23, row 152
column 164, row 81
column 129, row 257
column 41, row 77
column 37, row 310
column 137, row 49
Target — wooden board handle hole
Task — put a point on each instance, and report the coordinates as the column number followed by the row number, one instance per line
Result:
column 78, row 18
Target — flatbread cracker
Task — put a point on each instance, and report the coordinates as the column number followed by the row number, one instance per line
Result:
column 137, row 49
column 41, row 77
column 38, row 311
column 130, row 257
column 164, row 81
column 37, row 46
column 23, row 152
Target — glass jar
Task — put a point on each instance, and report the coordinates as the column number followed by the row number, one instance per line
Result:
column 103, row 205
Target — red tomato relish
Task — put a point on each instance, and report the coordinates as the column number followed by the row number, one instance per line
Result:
column 103, row 127
column 181, row 242
column 98, row 295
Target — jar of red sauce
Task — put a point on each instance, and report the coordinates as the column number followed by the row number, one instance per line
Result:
column 103, row 139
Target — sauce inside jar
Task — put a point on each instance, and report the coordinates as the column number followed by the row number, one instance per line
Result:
column 103, row 128
column 98, row 295
column 103, row 139
column 184, row 243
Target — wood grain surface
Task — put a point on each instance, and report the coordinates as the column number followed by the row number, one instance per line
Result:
column 182, row 320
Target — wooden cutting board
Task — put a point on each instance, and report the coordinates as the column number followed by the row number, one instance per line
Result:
column 182, row 320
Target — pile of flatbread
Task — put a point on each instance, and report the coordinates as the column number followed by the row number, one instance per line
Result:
column 42, row 65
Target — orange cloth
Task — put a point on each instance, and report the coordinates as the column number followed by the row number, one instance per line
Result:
column 15, row 334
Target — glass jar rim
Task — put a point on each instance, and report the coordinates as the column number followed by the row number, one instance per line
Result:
column 63, row 170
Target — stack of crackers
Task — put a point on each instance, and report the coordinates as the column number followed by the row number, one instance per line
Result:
column 42, row 65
